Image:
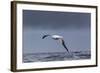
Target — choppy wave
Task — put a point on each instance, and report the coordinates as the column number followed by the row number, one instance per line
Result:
column 56, row 56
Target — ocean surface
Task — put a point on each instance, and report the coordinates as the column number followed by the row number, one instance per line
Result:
column 56, row 56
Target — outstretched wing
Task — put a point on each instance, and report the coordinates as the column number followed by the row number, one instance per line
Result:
column 45, row 36
column 63, row 43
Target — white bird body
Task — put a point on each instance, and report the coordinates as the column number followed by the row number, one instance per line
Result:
column 56, row 37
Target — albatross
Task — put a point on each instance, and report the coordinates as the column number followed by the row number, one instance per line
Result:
column 57, row 37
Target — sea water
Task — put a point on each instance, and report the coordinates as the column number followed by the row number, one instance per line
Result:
column 55, row 56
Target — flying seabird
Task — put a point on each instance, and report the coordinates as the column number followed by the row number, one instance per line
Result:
column 57, row 37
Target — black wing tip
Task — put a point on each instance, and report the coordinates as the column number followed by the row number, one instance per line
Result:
column 63, row 43
column 44, row 36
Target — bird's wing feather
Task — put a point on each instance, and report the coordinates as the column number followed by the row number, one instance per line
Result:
column 63, row 43
column 45, row 36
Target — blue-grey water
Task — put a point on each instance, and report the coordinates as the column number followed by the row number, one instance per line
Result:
column 56, row 56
